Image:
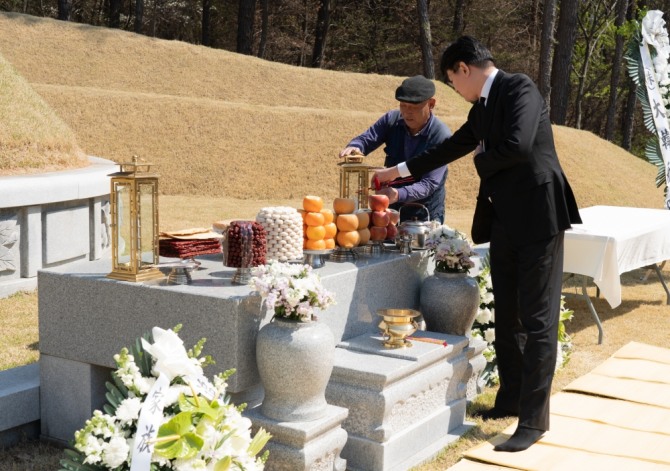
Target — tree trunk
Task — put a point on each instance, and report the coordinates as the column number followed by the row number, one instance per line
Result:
column 64, row 9
column 321, row 33
column 114, row 13
column 139, row 15
column 562, row 61
column 425, row 39
column 206, row 22
column 265, row 25
column 459, row 18
column 245, row 26
column 622, row 8
column 628, row 118
column 546, row 49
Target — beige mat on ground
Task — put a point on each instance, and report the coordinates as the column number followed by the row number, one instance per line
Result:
column 467, row 465
column 631, row 432
column 622, row 414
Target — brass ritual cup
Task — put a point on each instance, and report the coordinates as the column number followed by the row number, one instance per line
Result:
column 396, row 325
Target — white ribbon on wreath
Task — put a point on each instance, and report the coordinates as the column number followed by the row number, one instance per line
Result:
column 654, row 34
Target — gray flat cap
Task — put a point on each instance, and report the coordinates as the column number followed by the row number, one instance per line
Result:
column 415, row 89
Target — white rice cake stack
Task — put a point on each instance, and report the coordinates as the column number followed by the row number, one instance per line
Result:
column 283, row 227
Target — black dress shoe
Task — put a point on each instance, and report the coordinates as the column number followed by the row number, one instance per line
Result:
column 521, row 440
column 494, row 413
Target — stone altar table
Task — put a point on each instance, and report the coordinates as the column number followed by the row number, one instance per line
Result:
column 86, row 318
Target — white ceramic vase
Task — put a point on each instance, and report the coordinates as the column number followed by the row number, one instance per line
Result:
column 295, row 360
column 449, row 302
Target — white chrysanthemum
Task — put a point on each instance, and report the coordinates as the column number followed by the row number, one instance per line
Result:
column 490, row 335
column 144, row 384
column 115, row 452
column 487, row 297
column 171, row 396
column 483, row 316
column 129, row 410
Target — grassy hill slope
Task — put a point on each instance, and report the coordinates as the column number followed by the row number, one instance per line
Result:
column 32, row 137
column 221, row 124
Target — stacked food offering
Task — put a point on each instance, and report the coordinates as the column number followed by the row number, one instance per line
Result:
column 245, row 245
column 383, row 221
column 346, row 222
column 319, row 229
column 189, row 243
column 284, row 232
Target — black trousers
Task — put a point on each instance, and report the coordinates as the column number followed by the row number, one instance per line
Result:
column 527, row 281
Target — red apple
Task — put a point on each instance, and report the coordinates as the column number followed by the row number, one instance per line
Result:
column 380, row 218
column 391, row 231
column 378, row 202
column 377, row 233
column 394, row 215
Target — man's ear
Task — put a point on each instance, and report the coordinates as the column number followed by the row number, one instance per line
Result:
column 431, row 103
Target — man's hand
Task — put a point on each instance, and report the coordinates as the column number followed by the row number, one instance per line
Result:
column 392, row 194
column 384, row 175
column 350, row 151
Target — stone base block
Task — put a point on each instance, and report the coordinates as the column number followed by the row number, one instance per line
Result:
column 19, row 404
column 310, row 446
column 405, row 404
column 65, row 408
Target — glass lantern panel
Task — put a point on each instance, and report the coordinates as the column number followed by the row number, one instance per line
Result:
column 122, row 193
column 146, row 222
column 353, row 184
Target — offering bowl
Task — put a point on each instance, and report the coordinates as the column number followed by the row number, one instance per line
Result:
column 396, row 325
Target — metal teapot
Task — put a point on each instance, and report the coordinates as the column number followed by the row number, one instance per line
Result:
column 417, row 230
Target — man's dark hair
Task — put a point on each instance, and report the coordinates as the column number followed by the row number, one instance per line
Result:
column 465, row 49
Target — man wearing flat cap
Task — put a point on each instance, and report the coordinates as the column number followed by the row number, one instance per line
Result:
column 406, row 132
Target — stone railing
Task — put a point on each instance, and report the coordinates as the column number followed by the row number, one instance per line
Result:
column 52, row 219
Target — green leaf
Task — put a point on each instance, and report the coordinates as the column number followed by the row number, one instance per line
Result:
column 177, row 439
column 200, row 405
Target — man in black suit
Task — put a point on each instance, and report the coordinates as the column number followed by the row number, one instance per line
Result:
column 523, row 207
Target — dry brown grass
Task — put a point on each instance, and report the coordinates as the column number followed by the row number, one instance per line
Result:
column 32, row 137
column 219, row 124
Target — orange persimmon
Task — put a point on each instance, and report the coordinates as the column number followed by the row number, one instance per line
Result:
column 312, row 203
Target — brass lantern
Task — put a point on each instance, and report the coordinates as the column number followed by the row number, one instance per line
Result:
column 355, row 180
column 134, row 214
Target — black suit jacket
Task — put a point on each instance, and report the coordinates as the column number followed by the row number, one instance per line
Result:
column 521, row 180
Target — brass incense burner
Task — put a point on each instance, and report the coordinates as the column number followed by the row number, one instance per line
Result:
column 396, row 325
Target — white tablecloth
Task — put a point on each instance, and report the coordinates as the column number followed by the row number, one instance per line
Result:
column 613, row 240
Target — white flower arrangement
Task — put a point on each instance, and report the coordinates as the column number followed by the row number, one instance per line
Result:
column 292, row 291
column 450, row 249
column 484, row 328
column 653, row 32
column 195, row 428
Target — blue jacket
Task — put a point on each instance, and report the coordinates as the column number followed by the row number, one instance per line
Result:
column 429, row 191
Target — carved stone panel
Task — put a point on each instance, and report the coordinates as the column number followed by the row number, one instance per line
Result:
column 9, row 236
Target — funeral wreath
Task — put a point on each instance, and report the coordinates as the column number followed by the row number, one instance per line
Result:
column 162, row 413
